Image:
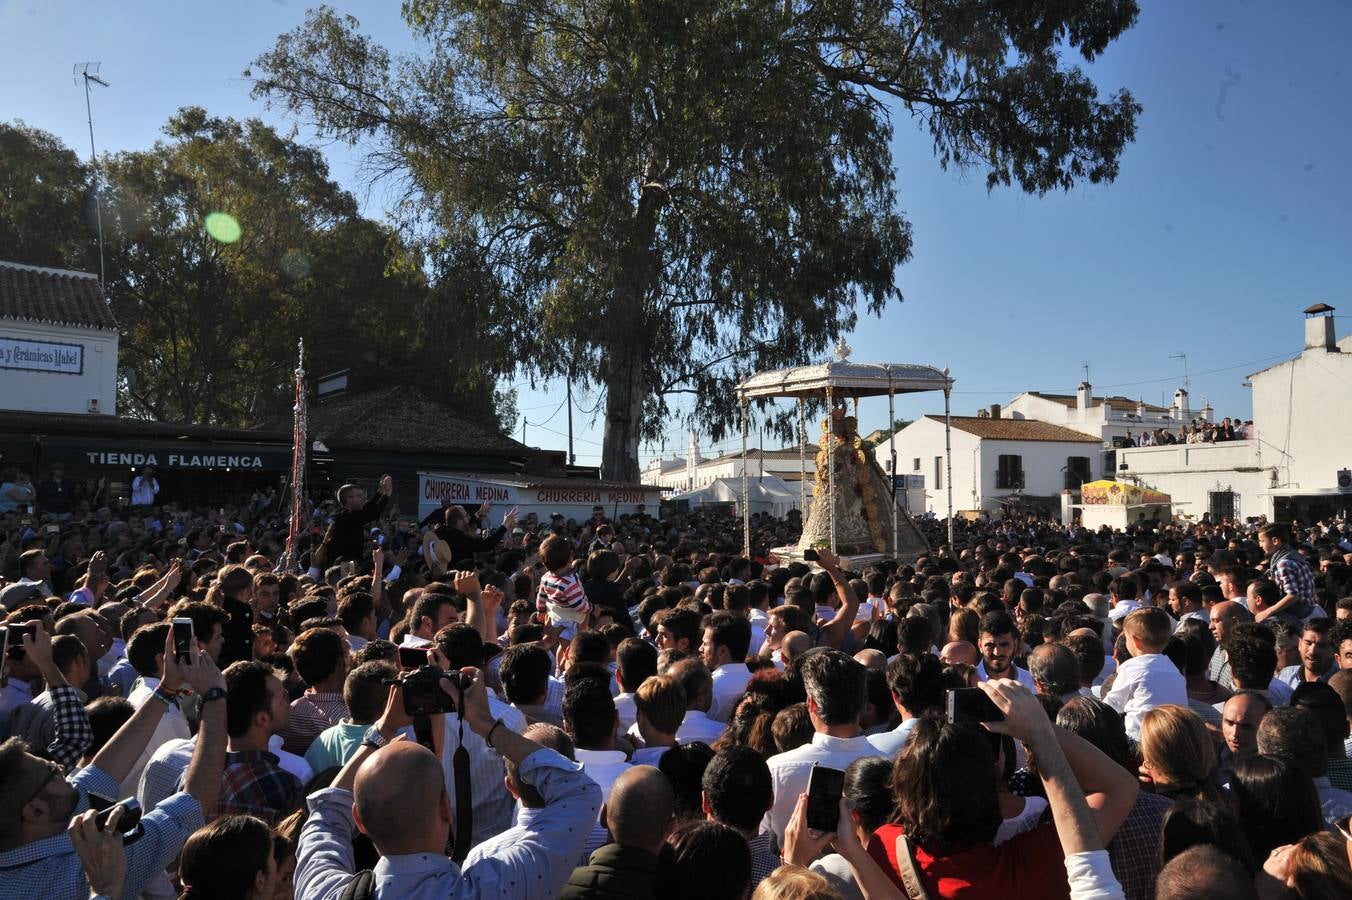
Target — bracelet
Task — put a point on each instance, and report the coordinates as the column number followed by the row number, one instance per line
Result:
column 488, row 739
column 169, row 699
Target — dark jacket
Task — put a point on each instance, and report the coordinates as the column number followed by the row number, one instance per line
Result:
column 615, row 872
column 346, row 537
column 607, row 595
column 464, row 546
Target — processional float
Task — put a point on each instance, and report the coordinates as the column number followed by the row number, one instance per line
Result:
column 849, row 487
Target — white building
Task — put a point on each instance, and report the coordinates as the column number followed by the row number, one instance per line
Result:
column 691, row 472
column 1298, row 463
column 1109, row 418
column 996, row 460
column 58, row 342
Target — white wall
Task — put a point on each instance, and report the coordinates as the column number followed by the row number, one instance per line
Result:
column 707, row 472
column 60, row 392
column 1043, row 462
column 1190, row 473
column 975, row 462
column 1303, row 412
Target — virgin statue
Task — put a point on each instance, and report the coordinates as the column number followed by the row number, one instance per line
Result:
column 856, row 500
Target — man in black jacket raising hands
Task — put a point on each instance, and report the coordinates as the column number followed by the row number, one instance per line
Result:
column 345, row 538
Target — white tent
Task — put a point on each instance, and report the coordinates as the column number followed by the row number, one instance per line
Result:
column 768, row 494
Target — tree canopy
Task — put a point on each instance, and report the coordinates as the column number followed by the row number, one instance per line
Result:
column 660, row 197
column 209, row 324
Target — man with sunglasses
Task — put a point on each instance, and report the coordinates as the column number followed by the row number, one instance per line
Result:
column 37, row 803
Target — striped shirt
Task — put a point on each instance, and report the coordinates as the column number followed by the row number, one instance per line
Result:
column 562, row 597
column 312, row 713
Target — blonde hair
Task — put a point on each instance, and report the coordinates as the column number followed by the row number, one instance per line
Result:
column 661, row 698
column 1177, row 749
column 230, row 581
column 1150, row 627
column 795, row 883
column 965, row 625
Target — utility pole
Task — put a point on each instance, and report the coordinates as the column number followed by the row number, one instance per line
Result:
column 90, row 72
column 572, row 459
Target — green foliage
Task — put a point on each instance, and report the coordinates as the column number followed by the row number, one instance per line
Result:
column 46, row 211
column 209, row 329
column 661, row 197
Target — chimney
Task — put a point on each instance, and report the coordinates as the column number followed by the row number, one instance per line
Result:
column 1319, row 328
column 995, row 410
column 1180, row 408
column 1084, row 398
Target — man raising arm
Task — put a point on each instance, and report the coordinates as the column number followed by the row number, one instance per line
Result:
column 384, row 791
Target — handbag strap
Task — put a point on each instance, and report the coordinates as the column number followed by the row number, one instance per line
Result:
column 910, row 875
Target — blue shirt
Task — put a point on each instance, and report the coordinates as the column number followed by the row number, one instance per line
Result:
column 50, row 868
column 542, row 853
column 335, row 745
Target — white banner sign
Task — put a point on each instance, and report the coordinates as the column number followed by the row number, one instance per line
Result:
column 41, row 356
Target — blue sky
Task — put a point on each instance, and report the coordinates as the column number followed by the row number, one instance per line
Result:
column 1230, row 215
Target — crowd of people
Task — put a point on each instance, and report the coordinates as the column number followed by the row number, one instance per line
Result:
column 1198, row 431
column 477, row 705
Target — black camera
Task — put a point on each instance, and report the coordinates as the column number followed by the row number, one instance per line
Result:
column 423, row 695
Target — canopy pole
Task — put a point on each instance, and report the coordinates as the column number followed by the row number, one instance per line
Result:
column 831, row 465
column 892, row 445
column 746, row 504
column 948, row 450
column 802, row 461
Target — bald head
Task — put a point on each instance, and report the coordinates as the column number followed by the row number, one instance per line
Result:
column 958, row 652
column 640, row 808
column 1223, row 617
column 794, row 645
column 871, row 659
column 1202, row 872
column 401, row 800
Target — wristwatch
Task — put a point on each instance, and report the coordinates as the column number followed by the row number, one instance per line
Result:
column 215, row 693
column 373, row 738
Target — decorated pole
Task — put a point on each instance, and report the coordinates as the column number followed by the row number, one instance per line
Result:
column 802, row 462
column 300, row 442
column 746, row 499
column 892, row 446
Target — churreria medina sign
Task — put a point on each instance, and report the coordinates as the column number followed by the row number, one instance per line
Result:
column 41, row 356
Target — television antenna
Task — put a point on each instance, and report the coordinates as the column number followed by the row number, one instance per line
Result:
column 90, row 73
column 1187, row 382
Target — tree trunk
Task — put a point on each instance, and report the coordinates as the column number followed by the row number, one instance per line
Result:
column 626, row 347
column 625, row 393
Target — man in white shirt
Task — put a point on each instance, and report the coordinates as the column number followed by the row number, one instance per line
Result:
column 144, row 487
column 589, row 718
column 835, row 686
column 1185, row 602
column 456, row 647
column 723, row 649
column 636, row 661
column 999, row 641
column 698, row 685
column 145, row 650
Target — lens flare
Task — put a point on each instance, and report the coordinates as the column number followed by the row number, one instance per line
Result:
column 222, row 227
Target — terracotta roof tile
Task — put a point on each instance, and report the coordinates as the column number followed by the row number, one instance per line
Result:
column 1017, row 430
column 57, row 296
column 1118, row 402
